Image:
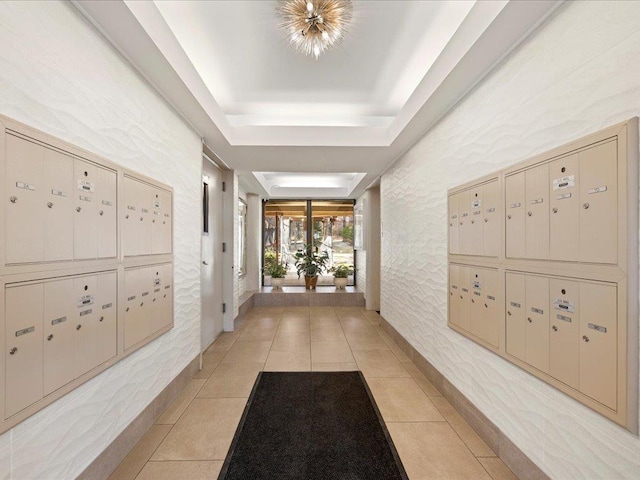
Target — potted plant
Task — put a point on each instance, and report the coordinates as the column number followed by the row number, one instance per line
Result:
column 341, row 273
column 277, row 273
column 311, row 263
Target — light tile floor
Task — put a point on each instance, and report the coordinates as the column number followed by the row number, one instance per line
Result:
column 191, row 439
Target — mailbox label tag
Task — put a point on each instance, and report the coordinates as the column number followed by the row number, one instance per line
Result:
column 58, row 193
column 564, row 305
column 564, row 182
column 107, row 203
column 535, row 201
column 516, row 205
column 56, row 321
column 491, row 210
column 86, row 186
column 85, row 300
column 107, row 305
column 515, row 304
column 130, row 207
column 86, row 312
column 85, row 199
column 133, row 297
column 537, row 310
column 563, row 196
column 563, row 318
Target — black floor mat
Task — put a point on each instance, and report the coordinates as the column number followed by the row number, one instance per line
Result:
column 312, row 426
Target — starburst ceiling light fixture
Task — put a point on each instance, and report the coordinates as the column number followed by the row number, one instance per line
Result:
column 313, row 26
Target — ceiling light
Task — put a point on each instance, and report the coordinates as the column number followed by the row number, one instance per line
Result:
column 314, row 26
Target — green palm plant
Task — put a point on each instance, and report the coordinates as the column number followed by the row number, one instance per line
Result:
column 310, row 262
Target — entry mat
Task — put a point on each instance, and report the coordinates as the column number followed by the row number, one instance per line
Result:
column 312, row 426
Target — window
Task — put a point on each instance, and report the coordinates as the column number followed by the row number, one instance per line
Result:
column 205, row 206
column 242, row 237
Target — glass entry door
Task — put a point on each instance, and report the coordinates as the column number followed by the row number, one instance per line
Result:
column 285, row 233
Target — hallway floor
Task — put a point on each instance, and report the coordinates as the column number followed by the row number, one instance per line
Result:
column 191, row 439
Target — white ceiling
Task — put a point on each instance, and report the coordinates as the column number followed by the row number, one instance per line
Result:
column 262, row 107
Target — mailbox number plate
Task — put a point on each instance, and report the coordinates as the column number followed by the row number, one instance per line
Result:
column 515, row 304
column 26, row 186
column 58, row 320
column 601, row 189
column 563, row 318
column 86, row 312
column 107, row 305
column 599, row 328
column 24, row 331
column 537, row 310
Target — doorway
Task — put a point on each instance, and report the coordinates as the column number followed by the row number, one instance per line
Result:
column 289, row 225
column 211, row 269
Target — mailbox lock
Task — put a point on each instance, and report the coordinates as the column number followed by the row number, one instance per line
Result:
column 50, row 337
column 142, row 303
column 50, row 204
column 529, row 320
column 555, row 329
column 555, row 210
column 451, row 224
column 508, row 217
column 473, row 221
column 585, row 338
column 78, row 209
column 13, row 351
column 451, row 293
column 166, row 222
column 486, row 306
column 141, row 218
column 154, row 299
column 585, row 205
column 13, row 199
column 486, row 220
column 101, row 319
column 473, row 301
column 126, row 216
column 509, row 312
column 530, row 213
column 154, row 220
column 79, row 326
column 127, row 309
column 101, row 212
column 165, row 296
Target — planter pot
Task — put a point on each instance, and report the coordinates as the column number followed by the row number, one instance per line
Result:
column 277, row 282
column 310, row 282
column 340, row 282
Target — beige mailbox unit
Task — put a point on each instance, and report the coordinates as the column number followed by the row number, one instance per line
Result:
column 562, row 265
column 83, row 285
